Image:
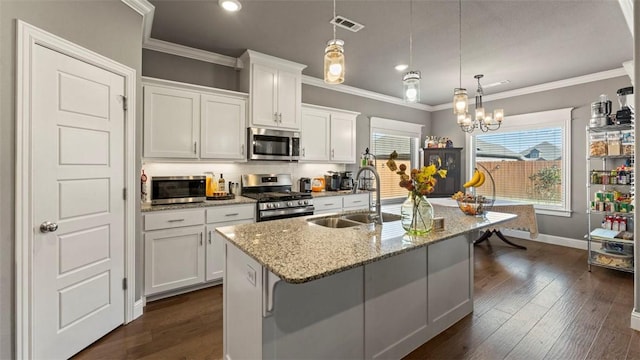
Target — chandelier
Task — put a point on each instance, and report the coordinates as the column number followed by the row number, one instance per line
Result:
column 334, row 57
column 411, row 79
column 483, row 121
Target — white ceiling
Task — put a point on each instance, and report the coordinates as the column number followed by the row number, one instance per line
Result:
column 528, row 42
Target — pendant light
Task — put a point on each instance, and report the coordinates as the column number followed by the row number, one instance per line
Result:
column 411, row 79
column 334, row 57
column 483, row 121
column 460, row 98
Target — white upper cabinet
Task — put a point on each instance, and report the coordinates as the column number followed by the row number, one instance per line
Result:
column 190, row 121
column 275, row 89
column 328, row 135
column 314, row 140
column 222, row 127
column 171, row 126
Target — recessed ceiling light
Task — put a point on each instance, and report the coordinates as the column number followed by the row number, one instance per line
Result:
column 230, row 5
column 402, row 67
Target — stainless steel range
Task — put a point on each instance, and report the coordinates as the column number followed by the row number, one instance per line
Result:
column 274, row 196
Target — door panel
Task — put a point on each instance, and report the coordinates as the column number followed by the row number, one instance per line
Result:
column 78, row 179
column 289, row 99
column 264, row 102
column 222, row 127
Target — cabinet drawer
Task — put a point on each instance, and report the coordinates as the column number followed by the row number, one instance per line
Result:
column 328, row 203
column 231, row 213
column 356, row 201
column 173, row 219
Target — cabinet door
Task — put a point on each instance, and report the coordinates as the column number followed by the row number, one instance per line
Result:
column 356, row 202
column 171, row 122
column 214, row 262
column 222, row 127
column 264, row 96
column 451, row 161
column 314, row 141
column 343, row 138
column 173, row 258
column 289, row 97
column 328, row 204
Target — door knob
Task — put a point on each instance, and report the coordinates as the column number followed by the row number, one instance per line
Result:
column 48, row 226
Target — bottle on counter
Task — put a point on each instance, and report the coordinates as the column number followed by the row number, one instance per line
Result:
column 211, row 184
column 221, row 184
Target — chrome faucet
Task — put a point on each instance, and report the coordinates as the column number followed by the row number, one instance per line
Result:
column 378, row 216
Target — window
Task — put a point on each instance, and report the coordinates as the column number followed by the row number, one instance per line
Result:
column 529, row 160
column 387, row 136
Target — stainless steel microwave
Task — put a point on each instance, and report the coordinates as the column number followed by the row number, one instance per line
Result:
column 268, row 144
column 178, row 189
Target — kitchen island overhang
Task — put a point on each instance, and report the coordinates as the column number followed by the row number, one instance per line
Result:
column 293, row 289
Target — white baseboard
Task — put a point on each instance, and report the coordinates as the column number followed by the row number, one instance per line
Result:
column 138, row 307
column 635, row 319
column 547, row 239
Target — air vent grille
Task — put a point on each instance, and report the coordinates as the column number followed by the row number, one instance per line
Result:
column 345, row 23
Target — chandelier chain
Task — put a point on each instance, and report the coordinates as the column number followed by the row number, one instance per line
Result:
column 460, row 42
column 411, row 35
column 334, row 21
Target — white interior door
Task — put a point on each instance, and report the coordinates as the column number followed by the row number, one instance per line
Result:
column 77, row 173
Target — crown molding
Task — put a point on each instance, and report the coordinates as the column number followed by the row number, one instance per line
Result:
column 627, row 10
column 192, row 53
column 603, row 75
column 146, row 9
column 313, row 81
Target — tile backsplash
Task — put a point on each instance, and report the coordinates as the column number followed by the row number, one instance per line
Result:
column 233, row 171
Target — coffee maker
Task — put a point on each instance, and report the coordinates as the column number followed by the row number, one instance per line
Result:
column 346, row 180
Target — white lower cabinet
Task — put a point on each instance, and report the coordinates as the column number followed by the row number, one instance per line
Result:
column 338, row 203
column 174, row 258
column 218, row 217
column 182, row 251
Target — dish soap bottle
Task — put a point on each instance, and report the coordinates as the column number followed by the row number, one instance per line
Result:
column 221, row 185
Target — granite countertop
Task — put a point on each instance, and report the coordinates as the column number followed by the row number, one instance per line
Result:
column 298, row 251
column 147, row 207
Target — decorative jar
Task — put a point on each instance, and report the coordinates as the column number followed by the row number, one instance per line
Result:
column 417, row 214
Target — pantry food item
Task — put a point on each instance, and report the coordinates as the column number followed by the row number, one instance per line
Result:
column 598, row 145
column 614, row 143
column 628, row 142
column 615, row 260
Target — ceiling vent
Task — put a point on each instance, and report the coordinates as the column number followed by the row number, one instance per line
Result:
column 345, row 23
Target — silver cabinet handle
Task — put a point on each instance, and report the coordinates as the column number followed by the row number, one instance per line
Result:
column 329, row 204
column 201, row 239
column 333, row 153
column 48, row 226
column 209, row 237
column 232, row 214
column 275, row 116
column 242, row 149
column 280, row 118
column 304, row 154
column 176, row 220
column 195, row 145
column 357, row 201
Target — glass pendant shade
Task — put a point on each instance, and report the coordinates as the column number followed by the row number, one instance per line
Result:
column 334, row 62
column 498, row 115
column 411, row 86
column 488, row 119
column 460, row 101
column 467, row 120
column 461, row 118
column 480, row 114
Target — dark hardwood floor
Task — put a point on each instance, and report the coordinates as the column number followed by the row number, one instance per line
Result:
column 541, row 303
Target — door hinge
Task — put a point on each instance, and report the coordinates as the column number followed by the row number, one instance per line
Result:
column 124, row 193
column 124, row 284
column 125, row 105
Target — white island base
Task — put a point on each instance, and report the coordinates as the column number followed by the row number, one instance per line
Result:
column 383, row 309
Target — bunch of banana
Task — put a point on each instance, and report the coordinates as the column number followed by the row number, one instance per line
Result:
column 476, row 180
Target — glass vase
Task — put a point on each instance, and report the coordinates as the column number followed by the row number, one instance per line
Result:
column 417, row 215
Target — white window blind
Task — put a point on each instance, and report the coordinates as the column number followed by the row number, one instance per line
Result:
column 529, row 160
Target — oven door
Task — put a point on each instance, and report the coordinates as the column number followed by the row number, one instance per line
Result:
column 177, row 189
column 267, row 144
column 275, row 214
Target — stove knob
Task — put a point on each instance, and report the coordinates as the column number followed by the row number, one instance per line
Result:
column 302, row 202
column 276, row 205
column 269, row 206
column 290, row 204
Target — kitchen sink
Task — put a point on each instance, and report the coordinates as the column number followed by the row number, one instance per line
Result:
column 334, row 222
column 366, row 218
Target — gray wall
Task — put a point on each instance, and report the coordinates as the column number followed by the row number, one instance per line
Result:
column 107, row 27
column 579, row 97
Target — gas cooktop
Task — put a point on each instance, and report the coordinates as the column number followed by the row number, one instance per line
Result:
column 277, row 196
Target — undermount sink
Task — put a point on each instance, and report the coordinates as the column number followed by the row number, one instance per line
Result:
column 334, row 222
column 366, row 218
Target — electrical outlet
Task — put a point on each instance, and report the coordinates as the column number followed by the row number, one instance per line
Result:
column 251, row 275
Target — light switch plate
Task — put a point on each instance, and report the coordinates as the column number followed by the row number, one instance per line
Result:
column 251, row 275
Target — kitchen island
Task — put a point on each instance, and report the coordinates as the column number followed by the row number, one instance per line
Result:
column 295, row 289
